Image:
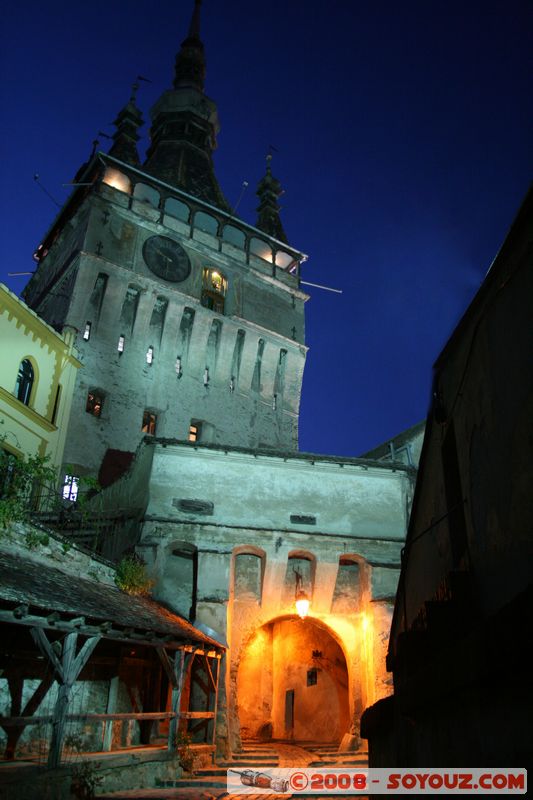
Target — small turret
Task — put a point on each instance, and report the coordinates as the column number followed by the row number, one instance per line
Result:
column 125, row 138
column 268, row 191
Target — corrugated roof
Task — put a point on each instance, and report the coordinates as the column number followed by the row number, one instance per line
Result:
column 47, row 589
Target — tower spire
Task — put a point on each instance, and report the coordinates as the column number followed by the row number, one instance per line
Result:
column 125, row 138
column 268, row 191
column 185, row 125
column 190, row 61
column 194, row 27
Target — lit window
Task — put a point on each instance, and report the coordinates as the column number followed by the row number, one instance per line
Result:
column 120, row 346
column 149, row 423
column 24, row 384
column 195, row 430
column 179, row 368
column 214, row 288
column 87, row 331
column 94, row 404
column 150, row 355
column 70, row 488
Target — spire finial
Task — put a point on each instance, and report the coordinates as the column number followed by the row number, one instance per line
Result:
column 190, row 61
column 194, row 27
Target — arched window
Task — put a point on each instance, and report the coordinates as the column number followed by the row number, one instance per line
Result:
column 214, row 288
column 205, row 222
column 234, row 236
column 146, row 194
column 248, row 571
column 25, row 381
column 177, row 209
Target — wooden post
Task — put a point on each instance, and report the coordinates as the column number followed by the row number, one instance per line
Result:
column 218, row 665
column 110, row 709
column 179, row 668
column 67, row 670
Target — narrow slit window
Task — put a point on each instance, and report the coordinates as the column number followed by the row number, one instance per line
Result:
column 94, row 404
column 150, row 355
column 87, row 331
column 149, row 423
column 120, row 345
column 195, row 430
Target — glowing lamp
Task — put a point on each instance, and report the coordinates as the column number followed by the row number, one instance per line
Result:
column 301, row 599
column 302, row 604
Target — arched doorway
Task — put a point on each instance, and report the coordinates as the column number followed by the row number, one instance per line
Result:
column 292, row 683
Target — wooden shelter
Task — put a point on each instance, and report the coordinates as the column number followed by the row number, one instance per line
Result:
column 88, row 651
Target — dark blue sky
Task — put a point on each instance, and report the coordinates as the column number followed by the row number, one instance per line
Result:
column 403, row 137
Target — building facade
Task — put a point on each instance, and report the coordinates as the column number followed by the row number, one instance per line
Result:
column 190, row 326
column 190, row 322
column 37, row 376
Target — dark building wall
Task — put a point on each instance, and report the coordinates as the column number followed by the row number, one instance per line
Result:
column 460, row 629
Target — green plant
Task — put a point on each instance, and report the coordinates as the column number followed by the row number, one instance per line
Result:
column 85, row 780
column 21, row 482
column 131, row 576
column 185, row 751
column 34, row 538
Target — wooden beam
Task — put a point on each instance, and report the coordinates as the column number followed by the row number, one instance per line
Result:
column 168, row 666
column 197, row 715
column 110, row 708
column 218, row 668
column 177, row 687
column 211, row 678
column 129, row 636
column 67, row 670
column 9, row 722
column 14, row 732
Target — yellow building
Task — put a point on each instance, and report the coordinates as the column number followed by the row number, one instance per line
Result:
column 37, row 374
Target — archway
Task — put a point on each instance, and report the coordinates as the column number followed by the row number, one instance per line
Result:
column 292, row 683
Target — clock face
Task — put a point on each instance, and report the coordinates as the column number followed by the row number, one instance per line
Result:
column 166, row 258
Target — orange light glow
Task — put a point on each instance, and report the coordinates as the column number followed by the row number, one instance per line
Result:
column 302, row 605
column 112, row 177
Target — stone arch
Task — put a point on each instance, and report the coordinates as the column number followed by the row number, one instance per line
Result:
column 292, row 682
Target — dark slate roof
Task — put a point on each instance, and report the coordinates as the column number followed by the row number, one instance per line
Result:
column 47, row 589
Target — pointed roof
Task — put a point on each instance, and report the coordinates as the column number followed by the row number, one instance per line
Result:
column 268, row 191
column 125, row 138
column 190, row 61
column 185, row 125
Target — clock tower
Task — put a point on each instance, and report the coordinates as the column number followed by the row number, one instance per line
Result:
column 189, row 321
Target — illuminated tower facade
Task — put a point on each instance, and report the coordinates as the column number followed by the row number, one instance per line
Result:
column 189, row 321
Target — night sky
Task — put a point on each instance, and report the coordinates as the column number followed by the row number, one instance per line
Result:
column 402, row 138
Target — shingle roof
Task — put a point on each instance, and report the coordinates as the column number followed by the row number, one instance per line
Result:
column 47, row 589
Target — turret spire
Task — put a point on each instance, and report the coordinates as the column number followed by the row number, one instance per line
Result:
column 125, row 138
column 268, row 191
